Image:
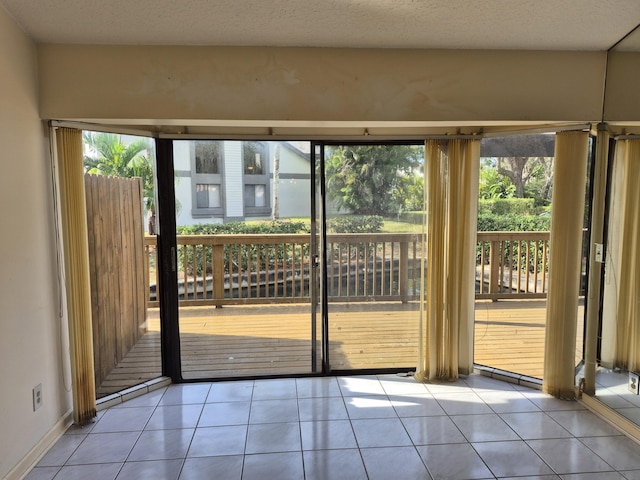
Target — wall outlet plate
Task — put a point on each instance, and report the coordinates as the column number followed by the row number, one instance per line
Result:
column 37, row 397
column 634, row 380
column 599, row 252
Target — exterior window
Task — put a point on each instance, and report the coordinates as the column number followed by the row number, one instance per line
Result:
column 208, row 157
column 255, row 156
column 207, row 160
column 208, row 196
column 255, row 196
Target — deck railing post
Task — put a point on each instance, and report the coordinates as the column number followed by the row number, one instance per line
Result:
column 494, row 266
column 403, row 274
column 217, row 254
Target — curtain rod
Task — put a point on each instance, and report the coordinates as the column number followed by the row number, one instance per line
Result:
column 326, row 137
column 366, row 135
column 542, row 129
column 99, row 127
column 627, row 137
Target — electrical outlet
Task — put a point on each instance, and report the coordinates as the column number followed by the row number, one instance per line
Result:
column 599, row 252
column 37, row 397
column 633, row 382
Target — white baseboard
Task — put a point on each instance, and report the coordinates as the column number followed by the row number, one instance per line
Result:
column 25, row 465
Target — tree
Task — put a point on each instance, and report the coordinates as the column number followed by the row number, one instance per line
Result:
column 543, row 181
column 373, row 179
column 517, row 169
column 492, row 184
column 106, row 154
column 524, row 161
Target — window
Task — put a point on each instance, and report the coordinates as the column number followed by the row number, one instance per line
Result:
column 208, row 157
column 208, row 196
column 206, row 163
column 254, row 196
column 255, row 156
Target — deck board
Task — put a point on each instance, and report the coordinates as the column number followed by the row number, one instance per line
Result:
column 276, row 340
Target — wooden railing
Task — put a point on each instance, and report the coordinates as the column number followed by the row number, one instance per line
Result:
column 242, row 269
column 512, row 265
column 248, row 269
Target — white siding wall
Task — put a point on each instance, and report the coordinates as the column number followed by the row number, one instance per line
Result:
column 294, row 193
column 184, row 199
column 233, row 188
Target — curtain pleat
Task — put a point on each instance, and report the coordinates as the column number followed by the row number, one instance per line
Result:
column 565, row 255
column 449, row 243
column 627, row 347
column 76, row 262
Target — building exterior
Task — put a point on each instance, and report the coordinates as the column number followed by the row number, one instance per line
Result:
column 221, row 181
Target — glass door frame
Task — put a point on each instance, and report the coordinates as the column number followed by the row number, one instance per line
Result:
column 167, row 262
column 319, row 295
column 168, row 274
column 320, row 165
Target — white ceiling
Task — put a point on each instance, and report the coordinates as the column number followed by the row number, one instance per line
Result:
column 434, row 24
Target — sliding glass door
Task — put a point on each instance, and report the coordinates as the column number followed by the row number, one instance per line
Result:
column 244, row 258
column 372, row 250
column 289, row 257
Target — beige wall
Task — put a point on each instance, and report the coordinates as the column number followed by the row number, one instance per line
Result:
column 30, row 338
column 622, row 97
column 310, row 86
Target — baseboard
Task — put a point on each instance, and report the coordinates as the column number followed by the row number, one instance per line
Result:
column 25, row 465
column 622, row 423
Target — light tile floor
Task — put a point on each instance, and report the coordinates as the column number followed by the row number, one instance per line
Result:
column 367, row 427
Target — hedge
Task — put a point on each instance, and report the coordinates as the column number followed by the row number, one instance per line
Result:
column 514, row 223
column 356, row 224
column 269, row 255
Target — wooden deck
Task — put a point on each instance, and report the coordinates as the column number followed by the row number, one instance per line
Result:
column 239, row 341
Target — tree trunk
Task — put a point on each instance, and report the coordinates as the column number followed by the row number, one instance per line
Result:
column 514, row 171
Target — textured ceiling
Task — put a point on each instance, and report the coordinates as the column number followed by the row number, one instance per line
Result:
column 451, row 24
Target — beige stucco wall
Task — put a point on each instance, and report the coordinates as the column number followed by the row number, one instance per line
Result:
column 318, row 86
column 31, row 342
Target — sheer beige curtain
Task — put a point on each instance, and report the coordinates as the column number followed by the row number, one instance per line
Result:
column 570, row 176
column 76, row 264
column 449, row 245
column 627, row 346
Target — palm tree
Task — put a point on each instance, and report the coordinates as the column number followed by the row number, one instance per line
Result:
column 106, row 154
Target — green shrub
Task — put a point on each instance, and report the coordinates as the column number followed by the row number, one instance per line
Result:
column 356, row 224
column 507, row 206
column 241, row 255
column 513, row 223
column 240, row 228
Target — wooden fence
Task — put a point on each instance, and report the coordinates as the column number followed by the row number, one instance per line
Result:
column 116, row 267
column 244, row 269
